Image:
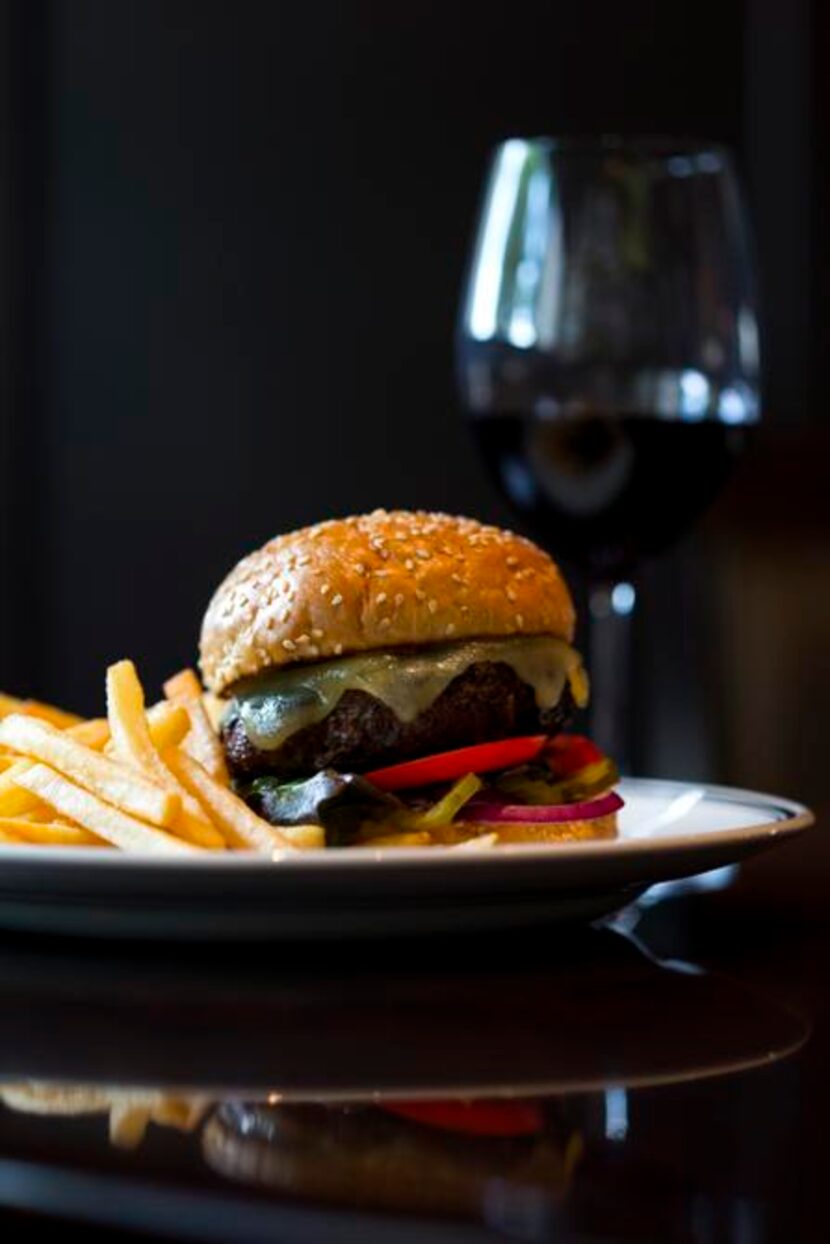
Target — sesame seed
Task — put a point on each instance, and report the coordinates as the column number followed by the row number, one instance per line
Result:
column 360, row 568
column 303, row 639
column 338, row 648
column 381, row 598
column 512, row 561
column 456, row 578
column 383, row 554
column 337, row 599
column 409, row 564
column 433, row 606
column 463, row 608
column 424, row 554
column 316, row 633
column 509, row 593
column 519, row 620
column 385, row 623
column 420, row 594
column 289, row 645
column 450, row 628
column 399, row 599
column 325, row 589
column 314, row 651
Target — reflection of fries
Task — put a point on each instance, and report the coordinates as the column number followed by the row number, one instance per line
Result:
column 201, row 743
column 130, row 1110
column 133, row 744
column 96, row 773
column 240, row 825
column 92, row 813
column 128, row 1123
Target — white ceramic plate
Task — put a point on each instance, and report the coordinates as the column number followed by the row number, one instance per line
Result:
column 668, row 830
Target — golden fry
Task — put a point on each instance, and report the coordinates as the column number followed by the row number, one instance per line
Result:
column 9, row 704
column 20, row 829
column 112, row 782
column 202, row 742
column 35, row 708
column 417, row 838
column 94, row 733
column 14, row 800
column 92, row 813
column 304, row 837
column 168, row 724
column 133, row 744
column 240, row 825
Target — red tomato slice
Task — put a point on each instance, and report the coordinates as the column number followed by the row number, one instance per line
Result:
column 445, row 766
column 477, row 1118
column 568, row 753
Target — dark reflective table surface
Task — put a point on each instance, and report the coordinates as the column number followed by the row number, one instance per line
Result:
column 661, row 1078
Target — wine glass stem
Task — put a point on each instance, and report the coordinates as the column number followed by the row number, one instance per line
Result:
column 611, row 609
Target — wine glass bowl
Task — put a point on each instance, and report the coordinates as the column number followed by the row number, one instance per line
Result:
column 607, row 352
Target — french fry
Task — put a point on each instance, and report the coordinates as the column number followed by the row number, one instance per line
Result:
column 20, row 829
column 92, row 813
column 93, row 733
column 202, row 742
column 36, row 708
column 14, row 800
column 111, row 782
column 133, row 744
column 415, row 838
column 240, row 825
column 168, row 724
column 9, row 704
column 304, row 837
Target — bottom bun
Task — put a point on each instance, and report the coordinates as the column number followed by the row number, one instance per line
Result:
column 528, row 831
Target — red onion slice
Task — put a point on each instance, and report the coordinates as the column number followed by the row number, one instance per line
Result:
column 495, row 812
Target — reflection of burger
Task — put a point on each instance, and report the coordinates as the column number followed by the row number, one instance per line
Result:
column 406, row 676
column 427, row 1157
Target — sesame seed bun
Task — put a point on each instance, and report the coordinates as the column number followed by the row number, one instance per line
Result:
column 379, row 580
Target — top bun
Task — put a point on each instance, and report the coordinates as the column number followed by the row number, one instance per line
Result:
column 378, row 580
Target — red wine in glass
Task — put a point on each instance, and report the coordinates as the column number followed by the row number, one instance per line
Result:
column 610, row 489
column 608, row 360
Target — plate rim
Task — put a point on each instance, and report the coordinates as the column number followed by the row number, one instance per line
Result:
column 789, row 818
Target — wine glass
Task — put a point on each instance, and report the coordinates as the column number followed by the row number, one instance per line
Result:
column 608, row 359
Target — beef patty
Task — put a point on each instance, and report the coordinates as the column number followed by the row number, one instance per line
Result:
column 488, row 701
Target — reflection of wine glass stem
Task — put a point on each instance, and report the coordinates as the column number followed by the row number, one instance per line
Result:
column 611, row 609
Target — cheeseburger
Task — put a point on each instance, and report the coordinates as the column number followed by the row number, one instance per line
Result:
column 405, row 678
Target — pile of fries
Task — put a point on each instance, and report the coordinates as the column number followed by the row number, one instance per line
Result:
column 148, row 781
column 130, row 1110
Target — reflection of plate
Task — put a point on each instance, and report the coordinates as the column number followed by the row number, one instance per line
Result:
column 593, row 1013
column 667, row 830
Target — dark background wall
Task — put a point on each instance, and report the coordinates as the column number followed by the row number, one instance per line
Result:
column 233, row 237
